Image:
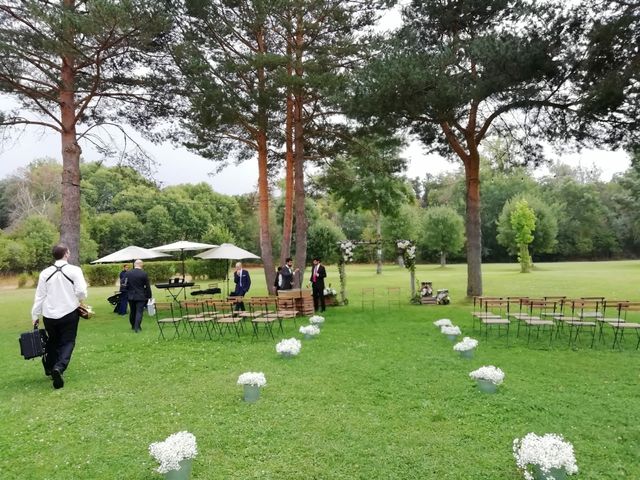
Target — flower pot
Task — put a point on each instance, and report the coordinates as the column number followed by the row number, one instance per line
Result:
column 453, row 338
column 183, row 473
column 287, row 355
column 486, row 386
column 251, row 393
column 552, row 474
column 309, row 337
column 467, row 353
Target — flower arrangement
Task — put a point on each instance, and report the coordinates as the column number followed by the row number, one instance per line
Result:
column 309, row 330
column 346, row 249
column 489, row 374
column 547, row 452
column 443, row 322
column 252, row 378
column 289, row 346
column 316, row 320
column 450, row 330
column 466, row 344
column 177, row 447
column 329, row 291
column 408, row 251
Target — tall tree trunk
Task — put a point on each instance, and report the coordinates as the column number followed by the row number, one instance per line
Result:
column 378, row 242
column 298, row 145
column 472, row 225
column 287, row 222
column 443, row 259
column 263, row 186
column 70, row 214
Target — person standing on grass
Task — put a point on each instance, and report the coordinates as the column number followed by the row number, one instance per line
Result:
column 121, row 306
column 139, row 293
column 61, row 288
column 287, row 273
column 242, row 279
column 318, row 274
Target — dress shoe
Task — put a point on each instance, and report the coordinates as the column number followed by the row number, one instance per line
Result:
column 56, row 376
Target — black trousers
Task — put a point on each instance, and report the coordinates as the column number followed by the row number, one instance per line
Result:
column 62, row 334
column 318, row 296
column 136, row 309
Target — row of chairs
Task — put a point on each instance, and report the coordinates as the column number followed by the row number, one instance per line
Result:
column 218, row 317
column 555, row 314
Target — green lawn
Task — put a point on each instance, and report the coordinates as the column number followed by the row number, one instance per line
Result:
column 380, row 394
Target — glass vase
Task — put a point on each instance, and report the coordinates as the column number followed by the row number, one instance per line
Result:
column 486, row 386
column 467, row 353
column 552, row 474
column 251, row 393
column 183, row 473
column 453, row 338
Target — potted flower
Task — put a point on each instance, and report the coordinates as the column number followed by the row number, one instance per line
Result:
column 329, row 295
column 316, row 320
column 443, row 322
column 175, row 455
column 309, row 331
column 546, row 457
column 488, row 378
column 451, row 331
column 252, row 381
column 466, row 347
column 289, row 348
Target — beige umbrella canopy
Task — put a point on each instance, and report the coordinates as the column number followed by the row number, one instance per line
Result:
column 226, row 251
column 181, row 246
column 129, row 254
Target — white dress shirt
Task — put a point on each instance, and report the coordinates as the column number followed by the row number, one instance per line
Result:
column 58, row 296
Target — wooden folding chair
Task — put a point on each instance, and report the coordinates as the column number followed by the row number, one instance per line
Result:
column 493, row 315
column 480, row 310
column 623, row 324
column 165, row 316
column 368, row 297
column 538, row 309
column 225, row 317
column 259, row 307
column 581, row 318
column 197, row 316
column 610, row 314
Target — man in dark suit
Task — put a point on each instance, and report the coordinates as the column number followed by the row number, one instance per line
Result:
column 138, row 293
column 242, row 279
column 318, row 274
column 286, row 273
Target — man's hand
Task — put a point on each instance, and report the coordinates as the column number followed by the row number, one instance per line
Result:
column 35, row 322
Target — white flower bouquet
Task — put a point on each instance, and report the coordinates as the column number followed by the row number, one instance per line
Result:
column 548, row 454
column 176, row 448
column 316, row 320
column 289, row 347
column 450, row 330
column 329, row 291
column 346, row 247
column 256, row 379
column 488, row 374
column 443, row 322
column 466, row 344
column 309, row 330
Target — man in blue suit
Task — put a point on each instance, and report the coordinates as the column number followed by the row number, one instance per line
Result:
column 243, row 282
column 138, row 293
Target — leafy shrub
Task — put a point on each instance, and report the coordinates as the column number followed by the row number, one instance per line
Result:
column 23, row 279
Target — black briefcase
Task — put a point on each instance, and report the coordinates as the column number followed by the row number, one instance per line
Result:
column 32, row 343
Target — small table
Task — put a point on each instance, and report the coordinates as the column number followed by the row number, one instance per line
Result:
column 174, row 289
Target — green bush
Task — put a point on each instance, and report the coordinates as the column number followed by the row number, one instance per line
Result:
column 23, row 279
column 206, row 269
column 101, row 275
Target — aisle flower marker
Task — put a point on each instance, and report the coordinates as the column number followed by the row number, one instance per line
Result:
column 316, row 320
column 289, row 347
column 451, row 332
column 309, row 331
column 443, row 322
column 252, row 381
column 488, row 378
column 547, row 457
column 466, row 347
column 175, row 455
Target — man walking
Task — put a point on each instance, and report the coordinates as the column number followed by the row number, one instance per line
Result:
column 61, row 288
column 318, row 274
column 242, row 279
column 138, row 293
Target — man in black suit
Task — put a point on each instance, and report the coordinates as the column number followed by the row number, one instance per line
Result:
column 138, row 293
column 242, row 279
column 318, row 274
column 287, row 273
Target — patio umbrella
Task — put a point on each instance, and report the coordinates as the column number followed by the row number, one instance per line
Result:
column 181, row 246
column 129, row 254
column 226, row 251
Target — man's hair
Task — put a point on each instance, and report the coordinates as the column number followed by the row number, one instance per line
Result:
column 59, row 251
column 289, row 259
column 138, row 263
column 316, row 259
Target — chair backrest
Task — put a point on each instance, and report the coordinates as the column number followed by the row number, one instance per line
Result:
column 537, row 307
column 286, row 304
column 164, row 308
column 224, row 307
column 495, row 306
column 613, row 306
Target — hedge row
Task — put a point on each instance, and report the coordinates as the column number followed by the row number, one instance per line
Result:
column 158, row 271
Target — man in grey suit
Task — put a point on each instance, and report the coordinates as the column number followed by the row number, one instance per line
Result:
column 139, row 293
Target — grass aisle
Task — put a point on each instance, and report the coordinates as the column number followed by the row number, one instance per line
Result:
column 380, row 394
